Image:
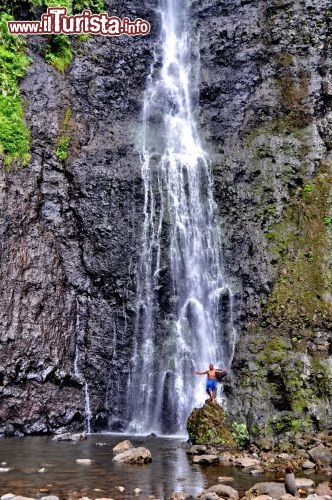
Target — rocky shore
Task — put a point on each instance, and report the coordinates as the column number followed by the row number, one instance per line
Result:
column 312, row 462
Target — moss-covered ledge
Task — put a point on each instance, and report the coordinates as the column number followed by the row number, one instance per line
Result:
column 207, row 425
column 288, row 379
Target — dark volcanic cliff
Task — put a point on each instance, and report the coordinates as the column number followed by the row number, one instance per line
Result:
column 70, row 230
column 265, row 114
column 70, row 233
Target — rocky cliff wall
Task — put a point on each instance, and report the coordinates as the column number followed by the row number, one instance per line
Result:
column 71, row 229
column 265, row 114
column 70, row 233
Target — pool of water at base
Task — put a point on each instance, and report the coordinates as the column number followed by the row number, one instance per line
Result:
column 170, row 470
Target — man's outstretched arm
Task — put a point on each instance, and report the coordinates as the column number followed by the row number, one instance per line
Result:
column 200, row 373
column 222, row 371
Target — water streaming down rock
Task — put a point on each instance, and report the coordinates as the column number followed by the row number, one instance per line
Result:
column 184, row 311
column 77, row 371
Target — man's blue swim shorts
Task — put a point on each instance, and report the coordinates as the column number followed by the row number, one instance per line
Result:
column 211, row 384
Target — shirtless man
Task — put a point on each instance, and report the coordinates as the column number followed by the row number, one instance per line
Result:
column 211, row 384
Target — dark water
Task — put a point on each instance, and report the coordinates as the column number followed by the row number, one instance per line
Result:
column 170, row 469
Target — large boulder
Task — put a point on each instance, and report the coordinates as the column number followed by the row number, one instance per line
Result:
column 272, row 489
column 206, row 425
column 324, row 489
column 246, row 462
column 206, row 459
column 224, row 491
column 138, row 455
column 67, row 436
column 321, row 455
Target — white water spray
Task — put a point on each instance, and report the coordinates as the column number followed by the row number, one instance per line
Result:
column 78, row 372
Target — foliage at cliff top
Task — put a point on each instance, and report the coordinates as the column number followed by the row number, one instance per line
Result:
column 73, row 6
column 14, row 135
column 57, row 51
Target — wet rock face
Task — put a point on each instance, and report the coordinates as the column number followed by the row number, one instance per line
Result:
column 264, row 107
column 70, row 231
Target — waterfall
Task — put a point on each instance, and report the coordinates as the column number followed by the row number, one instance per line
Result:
column 78, row 373
column 184, row 306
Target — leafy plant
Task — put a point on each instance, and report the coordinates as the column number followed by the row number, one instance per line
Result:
column 327, row 221
column 307, row 188
column 58, row 51
column 240, row 434
column 14, row 135
column 62, row 148
column 95, row 6
column 61, row 151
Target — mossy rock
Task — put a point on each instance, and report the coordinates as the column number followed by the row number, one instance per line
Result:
column 207, row 425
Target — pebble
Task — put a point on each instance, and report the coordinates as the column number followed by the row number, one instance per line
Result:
column 4, row 469
column 7, row 496
column 137, row 491
column 225, row 479
column 120, row 488
column 42, row 469
column 84, row 461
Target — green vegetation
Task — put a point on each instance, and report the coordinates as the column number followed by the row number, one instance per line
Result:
column 240, row 434
column 61, row 151
column 58, row 51
column 286, row 422
column 301, row 240
column 83, row 37
column 206, row 425
column 321, row 378
column 96, row 6
column 297, row 307
column 307, row 188
column 14, row 135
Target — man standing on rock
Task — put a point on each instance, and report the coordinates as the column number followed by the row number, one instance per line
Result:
column 211, row 384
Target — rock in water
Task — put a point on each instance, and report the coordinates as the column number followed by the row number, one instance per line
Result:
column 134, row 456
column 206, row 425
column 205, row 459
column 223, row 491
column 272, row 489
column 123, row 446
column 67, row 436
column 246, row 462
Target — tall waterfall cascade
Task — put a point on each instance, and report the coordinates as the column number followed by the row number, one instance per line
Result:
column 184, row 306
